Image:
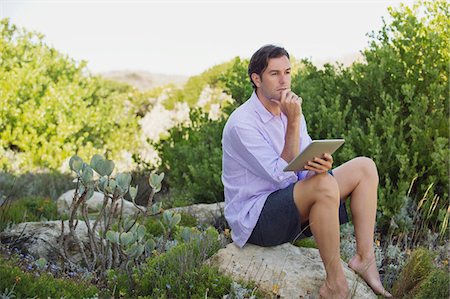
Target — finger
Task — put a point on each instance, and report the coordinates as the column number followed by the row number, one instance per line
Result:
column 328, row 157
column 292, row 96
column 284, row 95
column 324, row 164
column 321, row 161
column 318, row 166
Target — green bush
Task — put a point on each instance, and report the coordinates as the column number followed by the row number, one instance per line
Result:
column 192, row 89
column 52, row 108
column 236, row 82
column 154, row 227
column 179, row 273
column 435, row 286
column 40, row 285
column 415, row 271
column 28, row 209
column 392, row 108
column 192, row 159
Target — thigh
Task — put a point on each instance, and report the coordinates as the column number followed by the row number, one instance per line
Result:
column 307, row 192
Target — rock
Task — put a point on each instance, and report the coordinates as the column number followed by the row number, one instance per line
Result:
column 284, row 270
column 205, row 213
column 40, row 239
column 94, row 204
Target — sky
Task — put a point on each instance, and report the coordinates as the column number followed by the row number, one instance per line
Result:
column 188, row 37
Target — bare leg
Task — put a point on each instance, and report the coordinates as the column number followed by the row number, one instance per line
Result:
column 359, row 177
column 317, row 200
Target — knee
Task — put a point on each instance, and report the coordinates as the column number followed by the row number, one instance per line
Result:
column 327, row 189
column 368, row 168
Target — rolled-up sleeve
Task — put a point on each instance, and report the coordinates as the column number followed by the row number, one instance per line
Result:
column 259, row 157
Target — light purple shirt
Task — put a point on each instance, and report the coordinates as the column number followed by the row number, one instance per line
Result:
column 252, row 142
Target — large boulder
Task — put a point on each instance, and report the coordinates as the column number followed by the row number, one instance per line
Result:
column 94, row 204
column 41, row 239
column 285, row 270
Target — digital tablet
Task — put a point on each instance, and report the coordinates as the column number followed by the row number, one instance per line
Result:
column 315, row 149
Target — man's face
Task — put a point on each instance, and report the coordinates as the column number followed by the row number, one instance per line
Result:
column 275, row 78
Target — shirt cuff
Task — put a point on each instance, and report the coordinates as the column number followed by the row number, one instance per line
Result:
column 284, row 178
column 301, row 175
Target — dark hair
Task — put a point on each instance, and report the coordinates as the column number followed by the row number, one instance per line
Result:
column 260, row 60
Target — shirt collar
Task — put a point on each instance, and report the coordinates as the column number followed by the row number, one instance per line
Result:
column 263, row 113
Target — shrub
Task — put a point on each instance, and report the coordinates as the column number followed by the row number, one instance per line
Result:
column 40, row 285
column 436, row 285
column 415, row 271
column 236, row 81
column 392, row 108
column 52, row 108
column 179, row 273
column 193, row 87
column 192, row 158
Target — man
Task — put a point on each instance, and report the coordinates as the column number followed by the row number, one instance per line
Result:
column 266, row 206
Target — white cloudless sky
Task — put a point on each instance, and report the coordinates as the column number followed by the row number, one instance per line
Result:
column 187, row 37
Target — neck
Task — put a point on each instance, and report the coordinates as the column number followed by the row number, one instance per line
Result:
column 271, row 106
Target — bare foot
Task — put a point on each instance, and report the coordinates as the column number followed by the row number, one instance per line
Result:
column 367, row 269
column 340, row 291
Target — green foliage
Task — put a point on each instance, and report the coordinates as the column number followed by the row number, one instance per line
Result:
column 392, row 108
column 416, row 270
column 121, row 241
column 191, row 156
column 52, row 108
column 236, row 81
column 436, row 285
column 195, row 84
column 28, row 209
column 306, row 243
column 179, row 273
column 155, row 227
column 40, row 285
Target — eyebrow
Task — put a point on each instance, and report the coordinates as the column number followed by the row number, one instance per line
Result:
column 270, row 71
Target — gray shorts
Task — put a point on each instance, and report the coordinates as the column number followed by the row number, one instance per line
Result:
column 279, row 221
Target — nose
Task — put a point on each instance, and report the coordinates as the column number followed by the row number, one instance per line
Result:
column 284, row 78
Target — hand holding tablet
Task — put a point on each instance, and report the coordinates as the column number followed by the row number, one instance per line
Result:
column 315, row 149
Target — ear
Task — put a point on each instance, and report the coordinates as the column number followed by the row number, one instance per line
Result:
column 256, row 79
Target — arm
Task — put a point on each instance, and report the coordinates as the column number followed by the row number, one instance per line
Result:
column 291, row 106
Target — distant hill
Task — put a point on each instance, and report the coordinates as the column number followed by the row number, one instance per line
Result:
column 144, row 80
